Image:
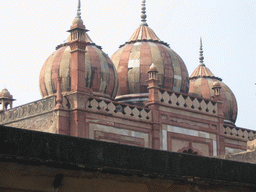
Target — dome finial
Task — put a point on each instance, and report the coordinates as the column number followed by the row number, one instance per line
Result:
column 143, row 16
column 79, row 10
column 201, row 57
column 78, row 19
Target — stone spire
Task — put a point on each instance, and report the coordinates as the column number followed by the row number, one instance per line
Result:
column 79, row 10
column 143, row 15
column 201, row 57
column 78, row 19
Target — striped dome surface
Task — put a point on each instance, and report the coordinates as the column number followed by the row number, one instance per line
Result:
column 201, row 84
column 201, row 71
column 144, row 32
column 100, row 73
column 134, row 58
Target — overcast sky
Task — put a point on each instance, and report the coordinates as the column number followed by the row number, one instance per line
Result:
column 30, row 31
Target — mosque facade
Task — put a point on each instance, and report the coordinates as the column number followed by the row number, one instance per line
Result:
column 141, row 96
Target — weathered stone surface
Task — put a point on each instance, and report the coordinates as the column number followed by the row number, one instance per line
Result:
column 26, row 111
column 247, row 157
column 30, row 160
column 45, row 123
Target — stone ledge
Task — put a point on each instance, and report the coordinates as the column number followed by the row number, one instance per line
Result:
column 52, row 150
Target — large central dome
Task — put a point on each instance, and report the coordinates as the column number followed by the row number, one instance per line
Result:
column 134, row 58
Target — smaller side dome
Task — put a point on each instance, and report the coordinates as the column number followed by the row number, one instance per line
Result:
column 202, row 82
column 91, row 69
column 5, row 94
column 78, row 21
column 202, row 87
column 100, row 72
column 6, row 99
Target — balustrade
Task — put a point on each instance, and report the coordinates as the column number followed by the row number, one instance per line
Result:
column 237, row 132
column 119, row 109
column 187, row 102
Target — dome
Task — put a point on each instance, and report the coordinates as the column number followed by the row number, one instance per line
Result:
column 5, row 94
column 100, row 75
column 202, row 87
column 134, row 58
column 202, row 81
column 78, row 21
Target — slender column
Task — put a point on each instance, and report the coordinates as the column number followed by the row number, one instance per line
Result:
column 153, row 102
column 61, row 113
column 58, row 94
column 220, row 133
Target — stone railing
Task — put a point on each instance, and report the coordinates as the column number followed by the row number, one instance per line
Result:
column 238, row 132
column 187, row 102
column 28, row 110
column 118, row 109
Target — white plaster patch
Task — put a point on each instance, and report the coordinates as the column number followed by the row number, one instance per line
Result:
column 133, row 63
column 137, row 44
column 177, row 77
column 188, row 131
column 229, row 150
column 233, row 150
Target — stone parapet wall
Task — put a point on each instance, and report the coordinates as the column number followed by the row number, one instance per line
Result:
column 185, row 101
column 44, row 123
column 118, row 109
column 27, row 111
column 238, row 133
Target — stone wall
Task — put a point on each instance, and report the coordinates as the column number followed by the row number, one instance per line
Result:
column 246, row 156
column 37, row 116
column 45, row 123
column 51, row 162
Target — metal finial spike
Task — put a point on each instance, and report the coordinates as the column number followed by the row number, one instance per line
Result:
column 143, row 15
column 201, row 57
column 79, row 10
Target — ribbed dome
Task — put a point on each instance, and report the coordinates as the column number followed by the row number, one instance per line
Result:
column 202, row 81
column 100, row 75
column 134, row 58
column 144, row 33
column 202, row 87
column 202, row 71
